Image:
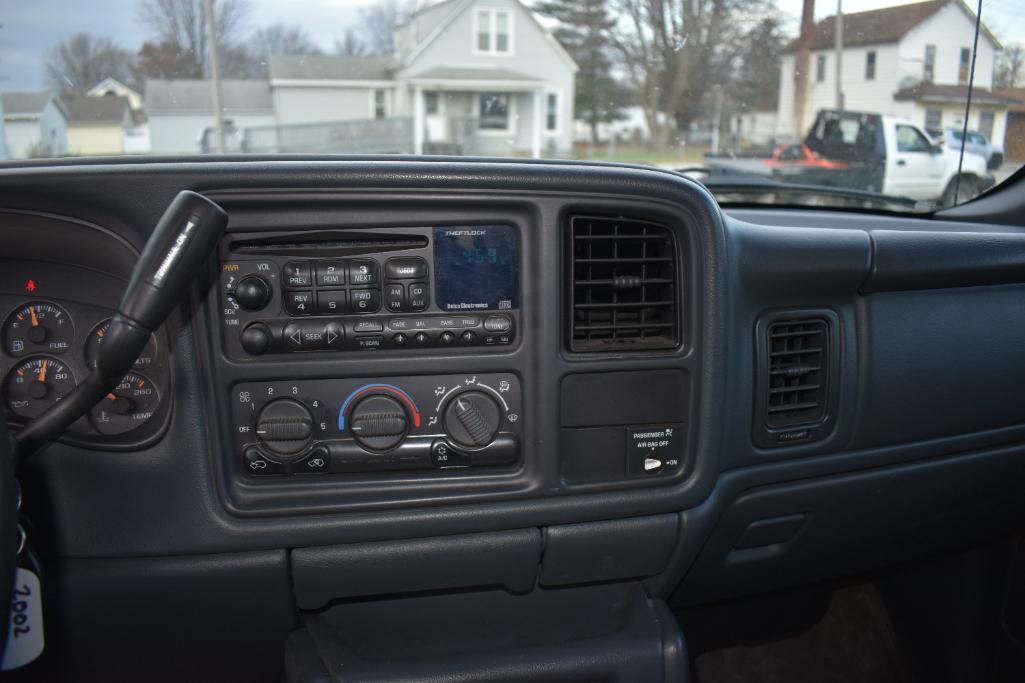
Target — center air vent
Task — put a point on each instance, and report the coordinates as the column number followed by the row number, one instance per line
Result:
column 796, row 368
column 623, row 292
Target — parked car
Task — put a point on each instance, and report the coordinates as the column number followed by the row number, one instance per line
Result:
column 873, row 153
column 977, row 143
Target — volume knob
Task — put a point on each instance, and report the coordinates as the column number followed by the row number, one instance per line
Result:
column 473, row 418
column 253, row 293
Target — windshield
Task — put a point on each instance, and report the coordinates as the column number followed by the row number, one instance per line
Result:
column 904, row 107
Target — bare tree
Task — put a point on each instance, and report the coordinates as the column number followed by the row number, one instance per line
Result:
column 350, row 45
column 83, row 60
column 179, row 27
column 670, row 50
column 283, row 39
column 380, row 21
column 1010, row 68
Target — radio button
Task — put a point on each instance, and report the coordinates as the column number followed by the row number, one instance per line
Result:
column 419, row 296
column 405, row 268
column 363, row 272
column 334, row 335
column 497, row 323
column 468, row 337
column 468, row 321
column 400, row 324
column 364, row 326
column 365, row 300
column 330, row 273
column 422, row 338
column 446, row 338
column 297, row 274
column 331, row 303
column 395, row 298
column 371, row 343
column 299, row 303
column 399, row 340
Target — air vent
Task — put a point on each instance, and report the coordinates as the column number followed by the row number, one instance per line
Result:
column 798, row 372
column 624, row 285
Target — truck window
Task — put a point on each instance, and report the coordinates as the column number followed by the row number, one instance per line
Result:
column 910, row 140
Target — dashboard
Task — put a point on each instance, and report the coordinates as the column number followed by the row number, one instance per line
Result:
column 593, row 372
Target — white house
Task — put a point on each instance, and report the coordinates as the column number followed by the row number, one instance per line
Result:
column 35, row 124
column 180, row 112
column 135, row 136
column 911, row 61
column 473, row 76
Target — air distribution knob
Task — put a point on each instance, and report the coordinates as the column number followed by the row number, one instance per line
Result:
column 252, row 293
column 472, row 418
column 378, row 422
column 284, row 426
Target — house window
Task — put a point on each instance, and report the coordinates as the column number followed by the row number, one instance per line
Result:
column 493, row 32
column 431, row 103
column 820, row 68
column 986, row 124
column 552, row 112
column 870, row 65
column 964, row 65
column 933, row 119
column 910, row 140
column 929, row 68
column 494, row 111
column 380, row 108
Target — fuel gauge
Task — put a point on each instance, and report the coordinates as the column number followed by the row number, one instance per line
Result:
column 128, row 406
column 38, row 326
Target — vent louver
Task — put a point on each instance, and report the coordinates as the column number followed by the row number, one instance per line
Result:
column 798, row 372
column 623, row 292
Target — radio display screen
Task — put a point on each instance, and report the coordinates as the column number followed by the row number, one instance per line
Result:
column 476, row 268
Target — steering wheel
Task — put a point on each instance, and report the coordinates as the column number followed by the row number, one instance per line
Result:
column 8, row 527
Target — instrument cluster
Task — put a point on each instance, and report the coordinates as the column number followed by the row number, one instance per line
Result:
column 50, row 345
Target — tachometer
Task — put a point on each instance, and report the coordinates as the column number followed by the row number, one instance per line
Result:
column 130, row 404
column 95, row 340
column 36, row 384
column 38, row 326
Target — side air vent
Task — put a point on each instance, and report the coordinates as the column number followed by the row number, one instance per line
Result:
column 623, row 294
column 797, row 367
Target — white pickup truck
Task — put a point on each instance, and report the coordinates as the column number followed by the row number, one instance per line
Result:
column 872, row 153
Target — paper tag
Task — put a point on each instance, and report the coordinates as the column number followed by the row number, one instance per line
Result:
column 25, row 632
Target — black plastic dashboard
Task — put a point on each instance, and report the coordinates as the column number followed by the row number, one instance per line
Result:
column 661, row 459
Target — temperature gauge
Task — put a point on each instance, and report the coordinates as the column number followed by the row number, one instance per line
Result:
column 38, row 326
column 128, row 406
column 95, row 339
column 35, row 385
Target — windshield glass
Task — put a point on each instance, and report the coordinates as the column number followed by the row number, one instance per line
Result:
column 885, row 105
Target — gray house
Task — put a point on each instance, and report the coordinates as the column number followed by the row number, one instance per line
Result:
column 34, row 124
column 468, row 76
column 181, row 112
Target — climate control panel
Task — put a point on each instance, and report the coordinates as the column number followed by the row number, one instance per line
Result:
column 347, row 426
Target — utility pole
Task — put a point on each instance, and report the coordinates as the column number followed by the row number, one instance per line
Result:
column 838, row 46
column 215, row 72
column 803, row 65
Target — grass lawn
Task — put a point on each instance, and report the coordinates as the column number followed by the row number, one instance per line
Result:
column 639, row 154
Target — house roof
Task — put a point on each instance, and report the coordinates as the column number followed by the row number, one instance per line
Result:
column 931, row 92
column 880, row 26
column 111, row 83
column 23, row 103
column 197, row 95
column 104, row 109
column 330, row 67
column 1017, row 94
column 445, row 73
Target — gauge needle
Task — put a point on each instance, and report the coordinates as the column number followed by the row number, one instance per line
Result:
column 112, row 396
column 42, row 371
column 32, row 312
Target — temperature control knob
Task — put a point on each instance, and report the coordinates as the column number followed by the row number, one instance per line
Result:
column 284, row 426
column 378, row 422
column 472, row 418
column 253, row 293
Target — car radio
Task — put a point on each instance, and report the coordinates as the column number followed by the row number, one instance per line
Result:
column 445, row 287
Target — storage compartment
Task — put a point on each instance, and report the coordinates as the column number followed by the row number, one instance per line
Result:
column 506, row 558
column 606, row 633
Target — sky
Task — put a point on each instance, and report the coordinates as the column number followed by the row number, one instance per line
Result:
column 28, row 28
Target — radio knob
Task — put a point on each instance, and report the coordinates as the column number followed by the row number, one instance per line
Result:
column 252, row 293
column 378, row 422
column 255, row 339
column 284, row 426
column 473, row 418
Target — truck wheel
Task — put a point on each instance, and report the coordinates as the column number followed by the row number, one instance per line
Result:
column 969, row 189
column 995, row 161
